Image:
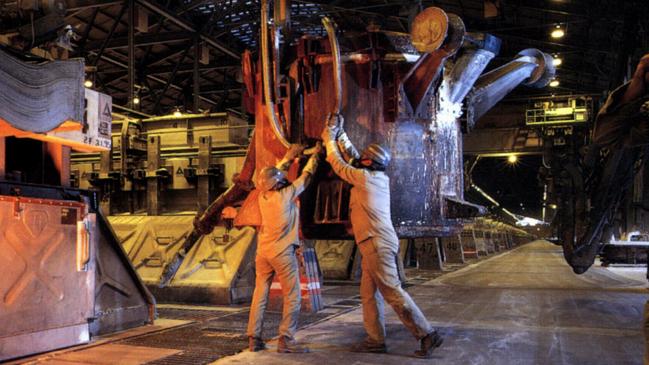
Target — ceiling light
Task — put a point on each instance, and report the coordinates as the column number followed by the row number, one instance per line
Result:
column 88, row 83
column 557, row 32
column 512, row 159
column 178, row 113
column 557, row 61
column 554, row 83
column 136, row 100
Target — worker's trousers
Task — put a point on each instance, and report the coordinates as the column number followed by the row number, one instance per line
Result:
column 379, row 280
column 286, row 267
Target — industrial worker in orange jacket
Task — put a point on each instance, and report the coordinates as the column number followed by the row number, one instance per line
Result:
column 377, row 241
column 277, row 242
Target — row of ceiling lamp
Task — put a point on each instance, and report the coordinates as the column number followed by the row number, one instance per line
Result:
column 557, row 32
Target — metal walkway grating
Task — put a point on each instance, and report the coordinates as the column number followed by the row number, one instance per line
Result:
column 238, row 322
column 190, row 314
column 198, row 346
column 210, row 338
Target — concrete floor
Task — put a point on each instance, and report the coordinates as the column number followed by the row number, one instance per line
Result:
column 522, row 307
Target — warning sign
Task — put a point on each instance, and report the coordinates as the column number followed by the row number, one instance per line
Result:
column 96, row 132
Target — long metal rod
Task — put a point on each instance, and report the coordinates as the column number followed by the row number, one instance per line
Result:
column 110, row 33
column 126, row 109
column 131, row 53
column 266, row 72
column 196, row 74
column 170, row 81
column 330, row 27
column 86, row 32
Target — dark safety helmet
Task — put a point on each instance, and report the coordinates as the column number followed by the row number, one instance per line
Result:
column 377, row 153
column 269, row 177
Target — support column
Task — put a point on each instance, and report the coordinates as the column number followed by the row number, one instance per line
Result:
column 153, row 206
column 196, row 80
column 105, row 165
column 131, row 53
column 203, row 197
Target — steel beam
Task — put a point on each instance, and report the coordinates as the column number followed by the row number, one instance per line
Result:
column 151, row 77
column 186, row 25
column 76, row 5
column 170, row 81
column 110, row 33
column 131, row 52
column 195, row 75
column 86, row 32
column 143, row 40
column 158, row 70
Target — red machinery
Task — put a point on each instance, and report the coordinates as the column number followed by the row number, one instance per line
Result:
column 414, row 93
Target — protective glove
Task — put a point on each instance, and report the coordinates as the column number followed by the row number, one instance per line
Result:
column 294, row 151
column 329, row 134
column 312, row 165
column 345, row 145
column 335, row 120
column 318, row 149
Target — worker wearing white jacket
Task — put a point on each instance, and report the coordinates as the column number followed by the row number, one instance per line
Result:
column 276, row 244
column 377, row 241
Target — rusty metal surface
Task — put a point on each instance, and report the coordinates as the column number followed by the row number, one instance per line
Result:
column 39, row 280
column 38, row 98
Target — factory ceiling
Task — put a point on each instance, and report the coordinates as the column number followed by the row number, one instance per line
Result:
column 602, row 40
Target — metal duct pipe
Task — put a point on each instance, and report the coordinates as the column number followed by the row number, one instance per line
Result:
column 266, row 72
column 531, row 67
column 466, row 71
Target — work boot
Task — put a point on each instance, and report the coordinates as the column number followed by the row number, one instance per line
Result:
column 256, row 344
column 288, row 345
column 370, row 346
column 429, row 343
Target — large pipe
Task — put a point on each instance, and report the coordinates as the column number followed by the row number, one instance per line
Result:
column 266, row 72
column 479, row 50
column 531, row 68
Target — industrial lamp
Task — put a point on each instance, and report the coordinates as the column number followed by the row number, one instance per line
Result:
column 177, row 113
column 554, row 83
column 557, row 32
column 556, row 61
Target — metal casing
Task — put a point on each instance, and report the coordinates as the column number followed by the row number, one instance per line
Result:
column 41, row 305
column 216, row 270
